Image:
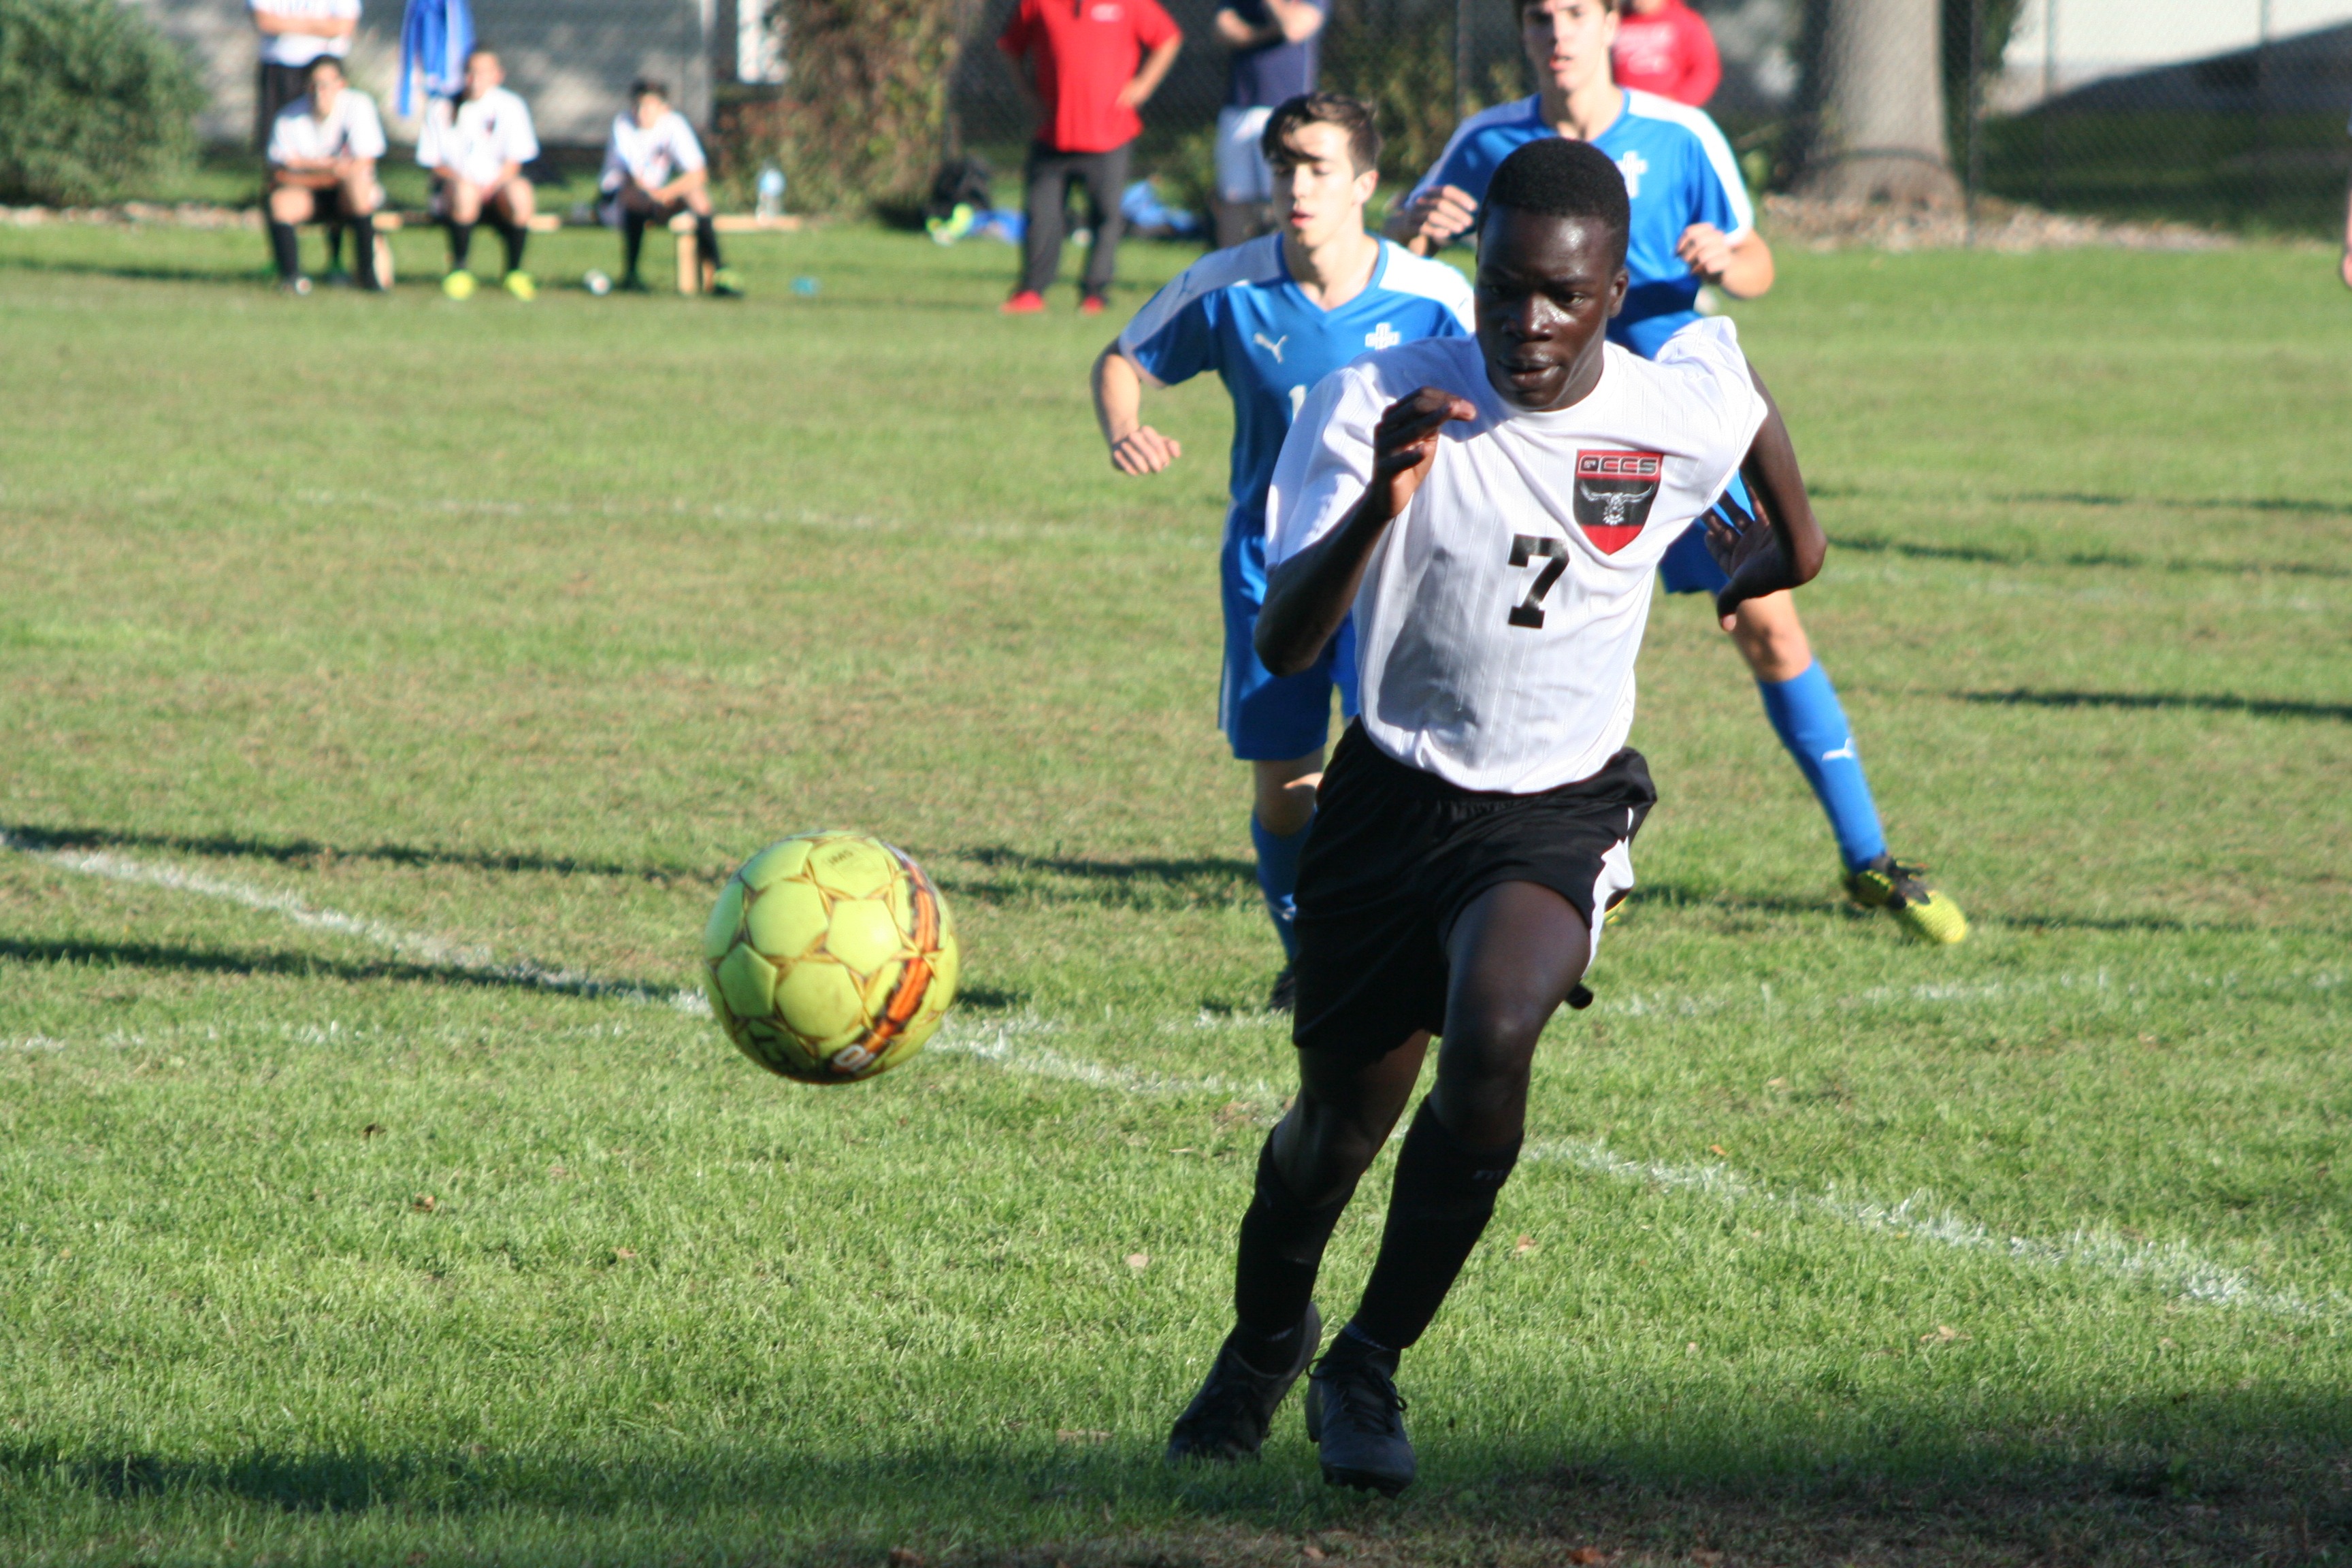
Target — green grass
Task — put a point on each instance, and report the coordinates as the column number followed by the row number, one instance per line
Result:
column 520, row 627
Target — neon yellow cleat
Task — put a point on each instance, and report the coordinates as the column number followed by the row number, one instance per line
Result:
column 459, row 285
column 1901, row 891
column 522, row 286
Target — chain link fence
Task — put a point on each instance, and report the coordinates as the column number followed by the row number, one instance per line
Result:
column 2224, row 112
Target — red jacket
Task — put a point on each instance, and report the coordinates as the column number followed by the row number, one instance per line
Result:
column 1084, row 52
column 1670, row 53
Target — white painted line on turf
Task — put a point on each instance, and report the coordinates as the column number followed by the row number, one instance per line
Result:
column 427, row 952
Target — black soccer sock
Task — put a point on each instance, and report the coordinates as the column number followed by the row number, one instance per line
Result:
column 461, row 244
column 514, row 237
column 286, row 249
column 633, row 241
column 706, row 239
column 334, row 246
column 1443, row 1197
column 364, row 251
column 1281, row 1250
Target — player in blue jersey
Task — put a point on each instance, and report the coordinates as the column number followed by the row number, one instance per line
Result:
column 1272, row 317
column 1692, row 224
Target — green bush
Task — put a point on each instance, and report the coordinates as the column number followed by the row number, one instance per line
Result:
column 858, row 125
column 93, row 102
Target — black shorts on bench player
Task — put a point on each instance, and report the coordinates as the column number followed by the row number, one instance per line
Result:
column 1478, row 819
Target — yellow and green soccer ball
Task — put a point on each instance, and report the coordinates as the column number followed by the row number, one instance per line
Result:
column 830, row 958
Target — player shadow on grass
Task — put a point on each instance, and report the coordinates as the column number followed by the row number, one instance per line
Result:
column 2215, row 702
column 1143, row 884
column 1670, row 894
column 2217, row 1477
column 313, row 855
column 139, row 271
column 1986, row 555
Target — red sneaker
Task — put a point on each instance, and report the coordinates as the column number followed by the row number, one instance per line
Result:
column 1092, row 305
column 1028, row 302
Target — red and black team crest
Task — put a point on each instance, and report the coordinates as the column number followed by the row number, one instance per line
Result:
column 1614, row 492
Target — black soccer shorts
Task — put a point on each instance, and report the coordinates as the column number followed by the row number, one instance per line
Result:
column 1395, row 856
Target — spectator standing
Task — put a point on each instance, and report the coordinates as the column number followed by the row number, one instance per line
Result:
column 655, row 170
column 1276, row 47
column 2344, row 269
column 1086, row 67
column 293, row 33
column 476, row 146
column 323, row 151
column 1664, row 47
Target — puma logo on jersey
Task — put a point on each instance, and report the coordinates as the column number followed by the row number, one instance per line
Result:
column 1383, row 337
column 1271, row 345
column 1633, row 165
column 1614, row 492
column 1844, row 753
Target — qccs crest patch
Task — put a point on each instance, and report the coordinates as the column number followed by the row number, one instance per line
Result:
column 1614, row 492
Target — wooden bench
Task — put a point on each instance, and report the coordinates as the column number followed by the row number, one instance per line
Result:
column 694, row 274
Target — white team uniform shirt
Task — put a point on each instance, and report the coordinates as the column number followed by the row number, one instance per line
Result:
column 354, row 131
column 477, row 136
column 1500, row 615
column 653, row 158
column 301, row 48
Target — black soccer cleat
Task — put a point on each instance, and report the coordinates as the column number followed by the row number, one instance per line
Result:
column 1226, row 1422
column 1283, row 997
column 1355, row 1415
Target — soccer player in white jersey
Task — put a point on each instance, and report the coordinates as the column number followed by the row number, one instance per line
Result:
column 476, row 145
column 1692, row 224
column 655, row 170
column 1272, row 317
column 322, row 154
column 1490, row 514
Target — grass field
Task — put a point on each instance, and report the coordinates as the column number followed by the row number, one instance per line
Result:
column 360, row 654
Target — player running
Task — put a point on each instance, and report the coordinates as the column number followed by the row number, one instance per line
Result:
column 1692, row 223
column 1491, row 513
column 1272, row 317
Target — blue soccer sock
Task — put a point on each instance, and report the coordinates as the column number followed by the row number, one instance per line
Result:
column 1805, row 715
column 1278, row 878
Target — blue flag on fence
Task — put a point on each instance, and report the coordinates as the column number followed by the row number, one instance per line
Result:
column 436, row 36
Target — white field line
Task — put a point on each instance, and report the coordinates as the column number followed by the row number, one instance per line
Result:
column 430, row 952
column 2169, row 1266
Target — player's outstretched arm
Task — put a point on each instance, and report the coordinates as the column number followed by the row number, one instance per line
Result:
column 1784, row 545
column 1135, row 447
column 1307, row 596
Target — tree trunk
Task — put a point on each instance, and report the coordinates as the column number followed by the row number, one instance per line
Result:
column 1882, row 104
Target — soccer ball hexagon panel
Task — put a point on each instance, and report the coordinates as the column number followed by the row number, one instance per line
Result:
column 830, row 957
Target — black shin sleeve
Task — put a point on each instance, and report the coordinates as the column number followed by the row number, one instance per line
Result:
column 461, row 245
column 363, row 250
column 1443, row 1197
column 514, row 237
column 705, row 235
column 286, row 250
column 633, row 241
column 1281, row 1249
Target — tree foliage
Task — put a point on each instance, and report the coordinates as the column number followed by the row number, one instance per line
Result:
column 93, row 102
column 858, row 123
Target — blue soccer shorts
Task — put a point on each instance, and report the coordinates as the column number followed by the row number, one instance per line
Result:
column 1269, row 717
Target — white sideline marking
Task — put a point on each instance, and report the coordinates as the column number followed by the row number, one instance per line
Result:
column 2170, row 1265
column 434, row 951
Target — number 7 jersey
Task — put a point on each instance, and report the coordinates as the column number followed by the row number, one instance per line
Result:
column 1500, row 617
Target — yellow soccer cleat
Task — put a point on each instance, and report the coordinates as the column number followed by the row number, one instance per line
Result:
column 1901, row 891
column 459, row 285
column 522, row 286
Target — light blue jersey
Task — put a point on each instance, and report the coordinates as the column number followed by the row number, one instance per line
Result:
column 1237, row 312
column 1678, row 171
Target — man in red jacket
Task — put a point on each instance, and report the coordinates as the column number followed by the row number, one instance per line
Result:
column 1664, row 47
column 1086, row 67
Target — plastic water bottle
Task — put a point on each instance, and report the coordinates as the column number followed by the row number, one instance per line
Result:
column 772, row 191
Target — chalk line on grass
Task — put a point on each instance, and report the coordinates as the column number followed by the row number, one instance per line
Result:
column 2170, row 1266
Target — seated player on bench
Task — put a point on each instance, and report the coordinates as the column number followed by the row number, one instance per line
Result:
column 323, row 151
column 476, row 146
column 655, row 170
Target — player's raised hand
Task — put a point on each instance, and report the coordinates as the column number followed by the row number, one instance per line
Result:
column 1404, row 444
column 1435, row 217
column 1144, row 450
column 1706, row 250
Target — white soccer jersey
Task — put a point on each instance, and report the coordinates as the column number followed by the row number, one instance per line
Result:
column 301, row 48
column 478, row 136
column 1500, row 616
column 352, row 130
column 653, row 158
